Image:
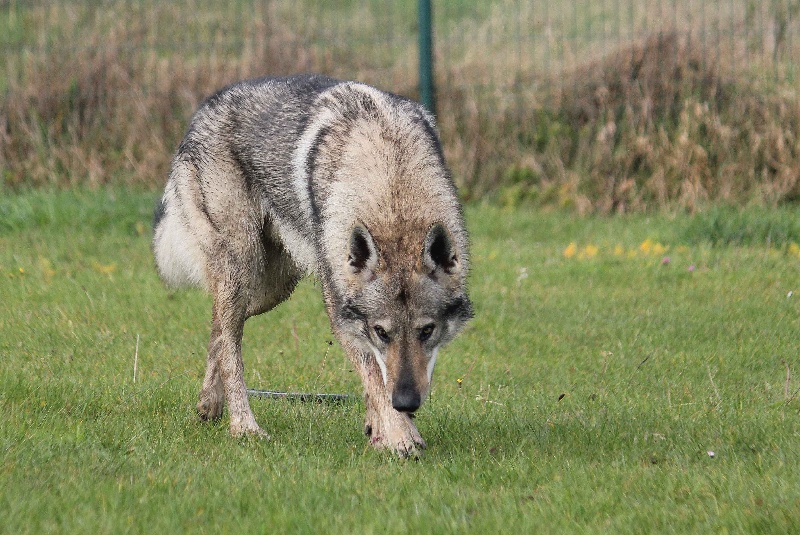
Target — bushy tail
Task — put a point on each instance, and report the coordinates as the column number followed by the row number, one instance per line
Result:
column 179, row 257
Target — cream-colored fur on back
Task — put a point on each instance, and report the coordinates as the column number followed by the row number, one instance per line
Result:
column 396, row 191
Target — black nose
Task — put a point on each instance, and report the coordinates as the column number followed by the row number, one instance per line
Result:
column 406, row 399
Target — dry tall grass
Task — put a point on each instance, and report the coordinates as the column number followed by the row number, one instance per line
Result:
column 112, row 108
column 656, row 123
column 651, row 125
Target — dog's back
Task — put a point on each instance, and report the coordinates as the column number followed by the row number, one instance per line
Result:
column 302, row 158
column 234, row 166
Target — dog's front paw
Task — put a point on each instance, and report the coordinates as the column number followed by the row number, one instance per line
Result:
column 247, row 427
column 396, row 432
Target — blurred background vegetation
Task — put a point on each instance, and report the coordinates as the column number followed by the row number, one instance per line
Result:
column 597, row 106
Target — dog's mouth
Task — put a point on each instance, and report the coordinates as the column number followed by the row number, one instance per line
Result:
column 408, row 411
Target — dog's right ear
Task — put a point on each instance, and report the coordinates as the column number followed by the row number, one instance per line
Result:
column 363, row 254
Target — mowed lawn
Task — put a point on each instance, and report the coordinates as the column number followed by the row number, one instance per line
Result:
column 622, row 375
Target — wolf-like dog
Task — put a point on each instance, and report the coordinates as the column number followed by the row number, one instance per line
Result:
column 281, row 177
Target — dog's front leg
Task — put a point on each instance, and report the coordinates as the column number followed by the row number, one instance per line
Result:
column 384, row 426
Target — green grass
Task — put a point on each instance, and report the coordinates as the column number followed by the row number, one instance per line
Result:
column 584, row 397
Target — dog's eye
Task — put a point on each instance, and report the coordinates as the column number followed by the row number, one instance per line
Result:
column 381, row 332
column 426, row 332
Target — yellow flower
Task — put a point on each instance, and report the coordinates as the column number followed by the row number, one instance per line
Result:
column 649, row 247
column 105, row 269
column 794, row 249
column 47, row 268
column 571, row 250
column 590, row 251
column 619, row 250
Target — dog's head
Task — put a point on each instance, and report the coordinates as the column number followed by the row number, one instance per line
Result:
column 403, row 307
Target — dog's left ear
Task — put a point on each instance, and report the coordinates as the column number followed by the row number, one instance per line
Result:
column 363, row 254
column 440, row 253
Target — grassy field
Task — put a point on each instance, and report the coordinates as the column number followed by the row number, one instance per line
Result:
column 622, row 375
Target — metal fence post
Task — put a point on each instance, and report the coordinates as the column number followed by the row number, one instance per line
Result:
column 426, row 88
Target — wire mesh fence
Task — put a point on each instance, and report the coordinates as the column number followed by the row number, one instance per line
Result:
column 496, row 63
column 549, row 37
column 494, row 43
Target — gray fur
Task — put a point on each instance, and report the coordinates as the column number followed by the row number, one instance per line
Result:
column 281, row 177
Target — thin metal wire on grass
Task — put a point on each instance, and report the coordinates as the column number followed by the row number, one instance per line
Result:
column 303, row 397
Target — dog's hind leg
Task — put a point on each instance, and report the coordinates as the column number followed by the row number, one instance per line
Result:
column 251, row 279
column 230, row 309
column 212, row 396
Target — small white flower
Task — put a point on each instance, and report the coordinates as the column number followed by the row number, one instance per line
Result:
column 710, row 454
